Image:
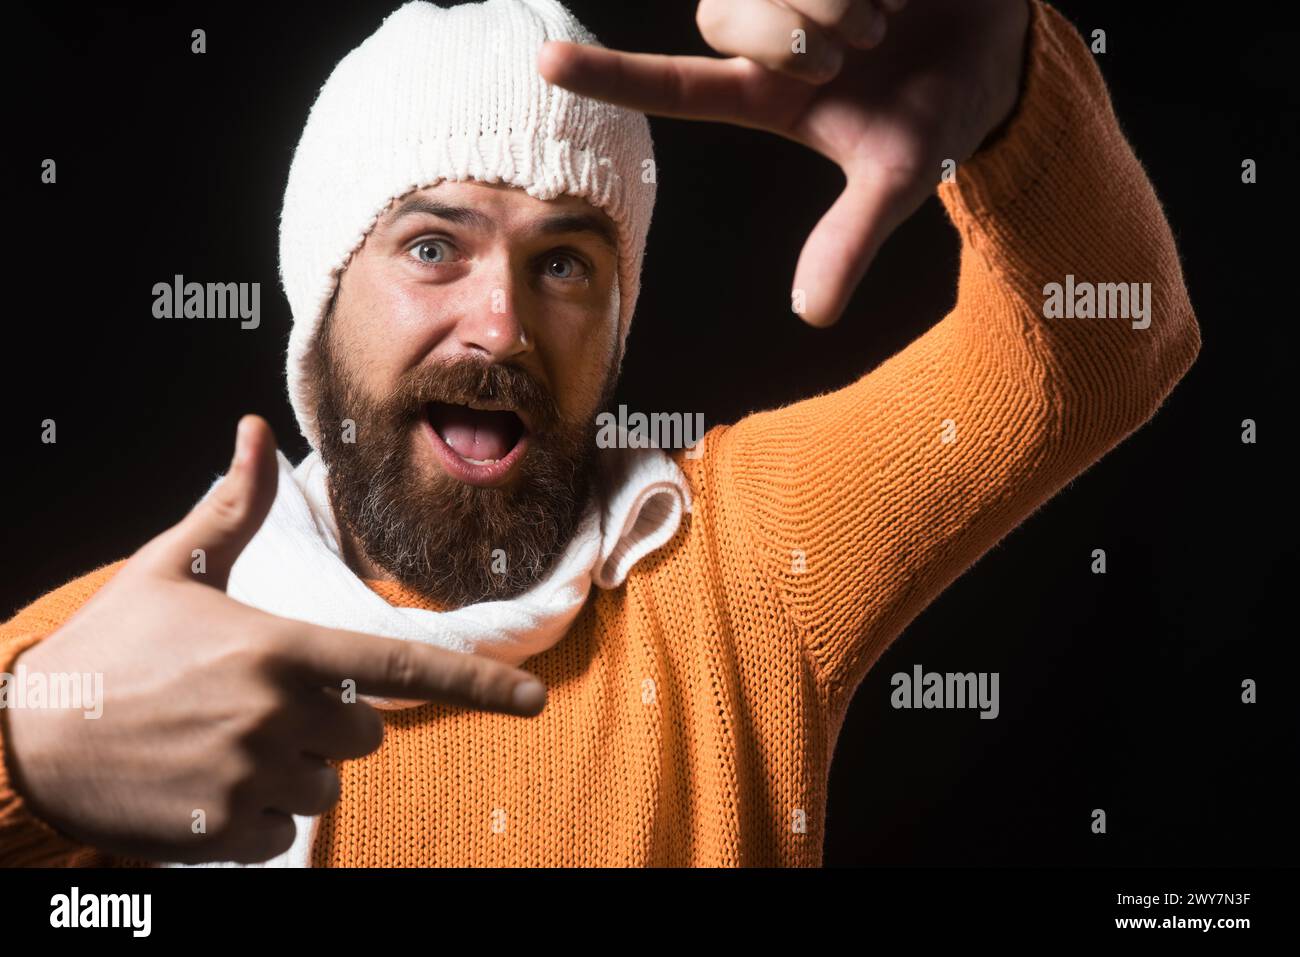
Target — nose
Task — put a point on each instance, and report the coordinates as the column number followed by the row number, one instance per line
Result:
column 491, row 325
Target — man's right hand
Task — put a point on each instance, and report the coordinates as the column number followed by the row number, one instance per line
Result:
column 212, row 706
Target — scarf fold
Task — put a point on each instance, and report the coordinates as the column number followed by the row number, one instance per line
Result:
column 294, row 567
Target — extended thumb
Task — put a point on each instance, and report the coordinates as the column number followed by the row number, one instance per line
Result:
column 205, row 544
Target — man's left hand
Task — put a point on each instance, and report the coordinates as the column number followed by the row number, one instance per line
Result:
column 886, row 89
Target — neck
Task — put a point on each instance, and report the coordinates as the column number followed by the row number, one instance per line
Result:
column 359, row 561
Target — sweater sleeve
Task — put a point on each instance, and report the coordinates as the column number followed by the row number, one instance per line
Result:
column 26, row 839
column 862, row 505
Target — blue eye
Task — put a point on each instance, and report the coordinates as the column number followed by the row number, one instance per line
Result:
column 558, row 265
column 570, row 264
column 425, row 244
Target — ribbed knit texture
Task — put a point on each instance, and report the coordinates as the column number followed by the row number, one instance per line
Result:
column 692, row 713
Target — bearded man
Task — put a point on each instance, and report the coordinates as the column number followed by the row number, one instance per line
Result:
column 462, row 632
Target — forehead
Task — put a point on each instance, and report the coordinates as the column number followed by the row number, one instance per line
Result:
column 502, row 203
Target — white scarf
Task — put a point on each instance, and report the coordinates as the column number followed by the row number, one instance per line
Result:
column 294, row 567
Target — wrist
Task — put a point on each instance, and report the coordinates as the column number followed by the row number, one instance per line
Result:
column 23, row 732
column 1009, row 74
column 17, row 746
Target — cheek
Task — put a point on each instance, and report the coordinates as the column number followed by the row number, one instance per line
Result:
column 581, row 361
column 388, row 327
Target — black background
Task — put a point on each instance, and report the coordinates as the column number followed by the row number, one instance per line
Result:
column 1119, row 691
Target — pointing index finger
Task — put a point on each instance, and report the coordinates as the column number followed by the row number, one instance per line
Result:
column 684, row 87
column 408, row 670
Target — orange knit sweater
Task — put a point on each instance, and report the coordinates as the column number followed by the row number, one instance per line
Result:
column 693, row 712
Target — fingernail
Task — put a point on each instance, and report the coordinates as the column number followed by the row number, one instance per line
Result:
column 529, row 696
column 828, row 62
column 241, row 443
column 866, row 26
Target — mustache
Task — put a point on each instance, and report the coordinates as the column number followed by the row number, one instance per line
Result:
column 462, row 381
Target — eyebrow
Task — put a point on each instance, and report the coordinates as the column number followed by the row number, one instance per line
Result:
column 468, row 216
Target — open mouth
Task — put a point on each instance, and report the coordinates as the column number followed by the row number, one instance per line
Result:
column 479, row 446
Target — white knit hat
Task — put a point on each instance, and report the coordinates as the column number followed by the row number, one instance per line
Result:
column 451, row 94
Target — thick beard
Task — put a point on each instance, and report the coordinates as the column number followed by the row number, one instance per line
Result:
column 440, row 537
